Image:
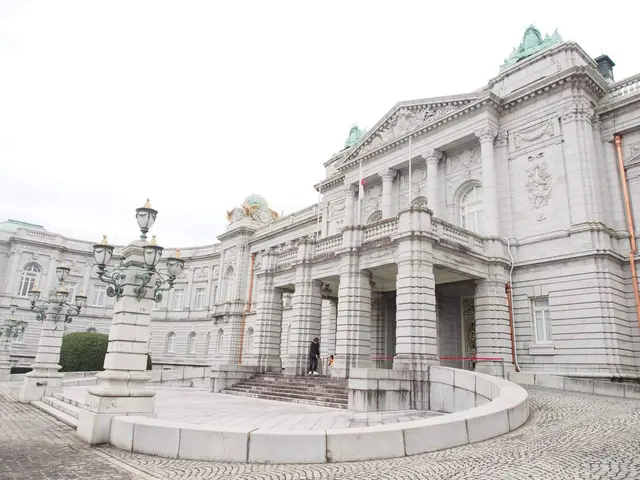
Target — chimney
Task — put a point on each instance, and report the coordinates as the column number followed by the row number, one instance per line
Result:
column 605, row 67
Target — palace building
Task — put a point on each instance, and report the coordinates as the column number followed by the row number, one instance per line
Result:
column 495, row 224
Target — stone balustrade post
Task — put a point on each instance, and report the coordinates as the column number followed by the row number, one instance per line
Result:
column 387, row 175
column 486, row 135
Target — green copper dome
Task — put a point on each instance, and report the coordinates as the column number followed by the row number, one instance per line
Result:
column 355, row 134
column 254, row 200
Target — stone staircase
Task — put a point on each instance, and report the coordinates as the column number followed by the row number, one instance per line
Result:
column 310, row 390
column 64, row 409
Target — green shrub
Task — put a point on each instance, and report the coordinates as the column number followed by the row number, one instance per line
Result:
column 83, row 352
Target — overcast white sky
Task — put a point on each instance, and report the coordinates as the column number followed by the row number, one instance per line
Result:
column 198, row 104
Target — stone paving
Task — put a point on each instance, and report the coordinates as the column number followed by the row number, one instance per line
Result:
column 569, row 436
column 203, row 407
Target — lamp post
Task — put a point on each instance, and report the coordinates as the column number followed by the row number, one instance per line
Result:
column 54, row 313
column 11, row 329
column 136, row 284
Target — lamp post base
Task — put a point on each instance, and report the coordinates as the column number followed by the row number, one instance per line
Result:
column 37, row 385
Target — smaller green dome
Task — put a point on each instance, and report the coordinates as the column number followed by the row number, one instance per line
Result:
column 256, row 200
column 355, row 134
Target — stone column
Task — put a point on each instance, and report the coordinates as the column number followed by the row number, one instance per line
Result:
column 12, row 268
column 353, row 328
column 432, row 157
column 416, row 334
column 493, row 337
column 486, row 136
column 121, row 388
column 268, row 318
column 306, row 313
column 349, row 205
column 387, row 175
column 44, row 380
column 328, row 326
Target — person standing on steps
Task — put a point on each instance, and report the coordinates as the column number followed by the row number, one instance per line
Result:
column 314, row 356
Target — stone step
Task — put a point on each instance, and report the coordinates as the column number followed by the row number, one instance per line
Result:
column 67, row 408
column 302, row 379
column 277, row 398
column 69, row 401
column 297, row 388
column 338, row 398
column 58, row 414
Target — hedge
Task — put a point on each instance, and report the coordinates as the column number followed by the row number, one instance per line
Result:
column 83, row 352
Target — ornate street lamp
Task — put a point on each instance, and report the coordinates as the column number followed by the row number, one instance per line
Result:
column 145, row 275
column 12, row 327
column 56, row 308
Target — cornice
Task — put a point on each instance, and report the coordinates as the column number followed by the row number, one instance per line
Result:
column 332, row 181
column 242, row 230
column 489, row 100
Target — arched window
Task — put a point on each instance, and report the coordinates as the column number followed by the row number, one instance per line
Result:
column 191, row 344
column 30, row 277
column 207, row 343
column 170, row 343
column 471, row 209
column 248, row 341
column 219, row 342
column 91, row 330
column 228, row 285
column 375, row 217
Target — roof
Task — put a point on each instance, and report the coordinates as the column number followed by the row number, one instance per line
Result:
column 14, row 225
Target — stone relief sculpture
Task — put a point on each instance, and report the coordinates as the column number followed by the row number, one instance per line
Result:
column 539, row 185
column 532, row 42
column 405, row 120
column 465, row 158
column 255, row 208
column 534, row 133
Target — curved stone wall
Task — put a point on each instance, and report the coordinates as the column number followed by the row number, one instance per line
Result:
column 502, row 406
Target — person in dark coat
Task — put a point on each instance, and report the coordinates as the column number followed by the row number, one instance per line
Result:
column 314, row 356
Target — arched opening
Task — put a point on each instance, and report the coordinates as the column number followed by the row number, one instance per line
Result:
column 170, row 343
column 374, row 217
column 207, row 344
column 472, row 208
column 29, row 280
column 248, row 342
column 228, row 285
column 191, row 344
column 219, row 338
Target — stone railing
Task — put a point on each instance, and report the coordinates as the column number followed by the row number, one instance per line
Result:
column 625, row 87
column 459, row 235
column 380, row 229
column 287, row 257
column 329, row 244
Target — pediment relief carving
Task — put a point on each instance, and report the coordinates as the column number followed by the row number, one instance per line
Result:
column 403, row 121
column 465, row 159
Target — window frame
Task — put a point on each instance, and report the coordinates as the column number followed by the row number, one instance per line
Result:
column 545, row 310
column 471, row 211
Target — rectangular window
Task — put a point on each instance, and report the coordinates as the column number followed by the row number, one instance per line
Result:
column 199, row 298
column 71, row 288
column 178, row 299
column 541, row 319
column 99, row 295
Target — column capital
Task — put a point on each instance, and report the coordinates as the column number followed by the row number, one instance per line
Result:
column 577, row 111
column 387, row 174
column 351, row 190
column 486, row 133
column 431, row 155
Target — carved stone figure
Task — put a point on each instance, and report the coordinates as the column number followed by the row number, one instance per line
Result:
column 466, row 158
column 539, row 185
column 532, row 42
column 255, row 208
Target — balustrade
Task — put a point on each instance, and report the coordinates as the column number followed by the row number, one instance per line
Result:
column 329, row 244
column 625, row 87
column 380, row 229
column 458, row 235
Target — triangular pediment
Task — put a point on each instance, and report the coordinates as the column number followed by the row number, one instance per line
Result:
column 404, row 118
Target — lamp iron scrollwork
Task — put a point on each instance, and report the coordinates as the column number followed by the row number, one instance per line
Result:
column 12, row 327
column 57, row 306
column 141, row 277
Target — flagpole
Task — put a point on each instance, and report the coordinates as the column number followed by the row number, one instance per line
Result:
column 410, row 184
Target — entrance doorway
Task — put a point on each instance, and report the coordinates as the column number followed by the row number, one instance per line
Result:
column 469, row 348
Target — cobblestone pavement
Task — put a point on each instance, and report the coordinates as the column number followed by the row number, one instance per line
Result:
column 569, row 436
column 204, row 407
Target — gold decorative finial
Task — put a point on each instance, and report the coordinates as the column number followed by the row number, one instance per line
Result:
column 104, row 240
column 148, row 204
column 154, row 241
column 177, row 253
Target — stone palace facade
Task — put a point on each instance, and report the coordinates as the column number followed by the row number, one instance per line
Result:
column 513, row 187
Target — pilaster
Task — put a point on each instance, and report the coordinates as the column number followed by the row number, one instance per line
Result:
column 10, row 286
column 387, row 175
column 432, row 158
column 328, row 326
column 416, row 333
column 486, row 135
column 349, row 205
column 268, row 318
